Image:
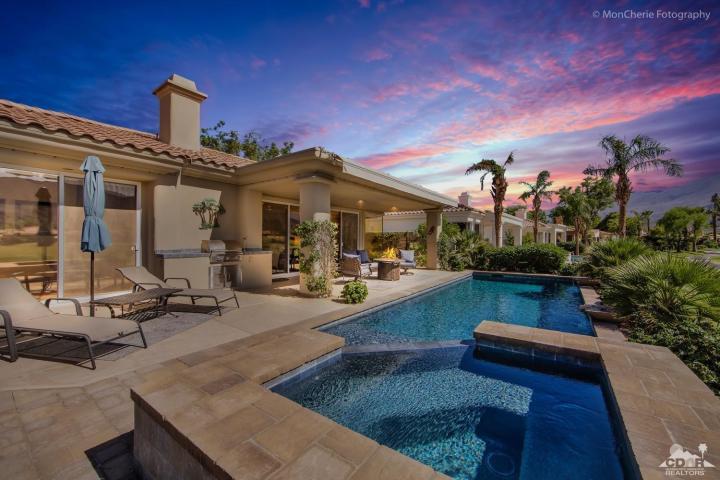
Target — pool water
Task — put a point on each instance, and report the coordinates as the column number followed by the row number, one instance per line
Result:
column 453, row 312
column 467, row 417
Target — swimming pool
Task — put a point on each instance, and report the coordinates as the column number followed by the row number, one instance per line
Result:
column 467, row 417
column 453, row 312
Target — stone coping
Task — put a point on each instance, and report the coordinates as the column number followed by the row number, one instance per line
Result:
column 212, row 405
column 659, row 400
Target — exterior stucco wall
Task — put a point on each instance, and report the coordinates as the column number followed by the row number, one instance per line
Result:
column 402, row 224
column 176, row 226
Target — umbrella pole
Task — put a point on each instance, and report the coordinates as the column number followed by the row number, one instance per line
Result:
column 92, row 284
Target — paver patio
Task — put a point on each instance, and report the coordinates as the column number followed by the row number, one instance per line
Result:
column 51, row 413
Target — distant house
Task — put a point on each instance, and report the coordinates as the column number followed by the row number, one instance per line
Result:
column 479, row 221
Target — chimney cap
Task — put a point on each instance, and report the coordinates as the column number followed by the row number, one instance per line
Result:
column 181, row 85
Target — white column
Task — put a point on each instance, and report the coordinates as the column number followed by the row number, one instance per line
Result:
column 433, row 220
column 314, row 198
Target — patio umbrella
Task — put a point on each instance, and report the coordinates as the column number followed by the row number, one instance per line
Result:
column 95, row 235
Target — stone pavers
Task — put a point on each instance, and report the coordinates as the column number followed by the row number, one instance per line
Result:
column 212, row 418
column 45, row 432
column 659, row 399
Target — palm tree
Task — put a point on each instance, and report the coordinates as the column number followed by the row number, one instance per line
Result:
column 498, row 188
column 538, row 191
column 640, row 155
column 644, row 219
column 714, row 212
column 575, row 207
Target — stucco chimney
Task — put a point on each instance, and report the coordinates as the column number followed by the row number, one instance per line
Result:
column 180, row 112
column 464, row 199
column 521, row 213
column 559, row 220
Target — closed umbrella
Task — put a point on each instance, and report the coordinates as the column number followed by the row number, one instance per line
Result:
column 95, row 235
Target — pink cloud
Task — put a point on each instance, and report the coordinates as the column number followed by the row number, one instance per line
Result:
column 403, row 155
column 393, row 90
column 257, row 63
column 376, row 54
column 364, row 3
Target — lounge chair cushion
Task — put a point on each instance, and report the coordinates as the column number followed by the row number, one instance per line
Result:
column 140, row 276
column 97, row 328
column 18, row 302
column 364, row 257
column 407, row 255
column 26, row 312
column 221, row 295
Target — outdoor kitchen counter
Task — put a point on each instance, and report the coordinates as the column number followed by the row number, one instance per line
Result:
column 196, row 253
column 255, row 266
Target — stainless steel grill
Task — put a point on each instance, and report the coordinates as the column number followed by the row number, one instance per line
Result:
column 224, row 268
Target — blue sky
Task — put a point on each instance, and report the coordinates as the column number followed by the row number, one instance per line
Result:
column 418, row 89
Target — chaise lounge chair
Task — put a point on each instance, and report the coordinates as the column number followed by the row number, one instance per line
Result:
column 141, row 278
column 21, row 312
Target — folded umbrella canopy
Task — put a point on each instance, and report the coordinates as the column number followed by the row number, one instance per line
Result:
column 95, row 235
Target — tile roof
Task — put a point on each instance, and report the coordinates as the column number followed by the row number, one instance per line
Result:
column 459, row 208
column 120, row 136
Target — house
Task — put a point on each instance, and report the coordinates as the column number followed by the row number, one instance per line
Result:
column 514, row 227
column 462, row 214
column 153, row 181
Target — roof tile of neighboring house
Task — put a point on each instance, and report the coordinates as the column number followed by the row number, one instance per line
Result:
column 120, row 136
column 459, row 208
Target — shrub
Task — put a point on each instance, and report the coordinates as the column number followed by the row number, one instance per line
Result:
column 611, row 253
column 569, row 269
column 459, row 250
column 674, row 302
column 354, row 292
column 531, row 258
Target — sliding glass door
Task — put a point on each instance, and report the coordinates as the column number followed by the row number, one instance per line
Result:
column 41, row 217
column 348, row 230
column 274, row 235
column 29, row 230
column 120, row 216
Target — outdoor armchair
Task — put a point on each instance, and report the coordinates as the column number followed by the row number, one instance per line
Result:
column 351, row 266
column 22, row 313
column 407, row 260
column 140, row 277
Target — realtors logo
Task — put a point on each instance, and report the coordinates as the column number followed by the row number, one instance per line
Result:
column 683, row 462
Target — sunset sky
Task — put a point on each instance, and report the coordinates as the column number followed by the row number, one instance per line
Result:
column 417, row 89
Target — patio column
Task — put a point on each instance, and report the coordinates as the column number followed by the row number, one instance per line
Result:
column 517, row 231
column 433, row 220
column 314, row 198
